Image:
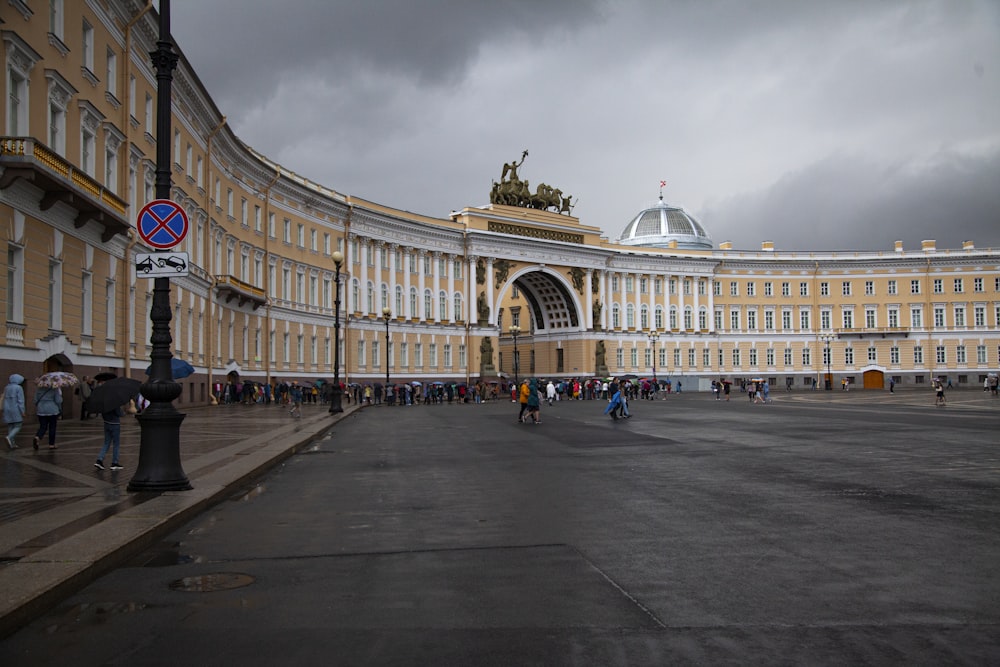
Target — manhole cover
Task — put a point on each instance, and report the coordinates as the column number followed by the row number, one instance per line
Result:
column 207, row 583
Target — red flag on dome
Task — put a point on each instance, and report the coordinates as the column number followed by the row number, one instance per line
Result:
column 663, row 184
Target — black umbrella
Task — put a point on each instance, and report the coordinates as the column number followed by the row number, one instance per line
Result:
column 112, row 394
column 105, row 376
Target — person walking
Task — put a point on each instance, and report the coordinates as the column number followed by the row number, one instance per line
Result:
column 522, row 397
column 892, row 386
column 534, row 402
column 296, row 394
column 13, row 408
column 85, row 389
column 112, row 438
column 550, row 392
column 48, row 407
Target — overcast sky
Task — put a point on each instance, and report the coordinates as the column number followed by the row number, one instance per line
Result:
column 814, row 124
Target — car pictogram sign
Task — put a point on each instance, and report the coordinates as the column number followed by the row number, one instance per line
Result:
column 162, row 224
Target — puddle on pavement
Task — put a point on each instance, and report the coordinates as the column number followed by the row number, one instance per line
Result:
column 249, row 494
column 209, row 583
column 164, row 554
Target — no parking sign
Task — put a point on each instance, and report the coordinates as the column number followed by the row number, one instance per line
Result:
column 162, row 224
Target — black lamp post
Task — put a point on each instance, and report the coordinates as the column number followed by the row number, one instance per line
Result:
column 514, row 331
column 336, row 396
column 159, row 467
column 828, row 338
column 387, row 314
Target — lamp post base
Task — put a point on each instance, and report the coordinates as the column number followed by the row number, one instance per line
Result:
column 336, row 399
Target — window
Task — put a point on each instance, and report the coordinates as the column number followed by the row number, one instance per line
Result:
column 959, row 316
column 768, row 320
column 428, row 306
column 960, row 355
column 287, row 233
column 914, row 287
column 918, row 355
column 300, row 235
column 980, row 316
column 55, row 294
column 734, row 320
column 894, row 317
column 643, row 286
column 687, row 286
column 804, row 320
column 847, row 317
column 788, row 356
column 701, row 288
column 753, row 356
column 824, row 289
column 894, row 355
column 87, row 47
column 803, row 289
column 872, row 354
column 751, row 288
column 149, row 114
column 977, row 284
column 418, row 355
column 629, row 284
column 15, row 282
column 981, row 355
column 736, row 356
column 629, row 316
column 959, row 285
column 56, row 18
column 939, row 354
column 849, row 356
column 614, row 283
column 938, row 286
column 658, row 286
column 869, row 288
column 916, row 317
column 825, row 320
column 846, row 288
column 871, row 321
column 734, row 289
column 111, row 73
column 786, row 319
column 768, row 289
column 786, row 289
column 716, row 288
column 892, row 287
column 769, row 356
column 806, row 356
column 938, row 316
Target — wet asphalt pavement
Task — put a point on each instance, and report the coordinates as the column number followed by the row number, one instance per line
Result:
column 821, row 529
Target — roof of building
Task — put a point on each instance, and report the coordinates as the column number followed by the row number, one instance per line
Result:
column 661, row 225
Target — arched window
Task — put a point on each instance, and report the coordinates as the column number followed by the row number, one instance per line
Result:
column 414, row 313
column 355, row 295
column 658, row 318
column 458, row 307
column 630, row 316
column 442, row 306
column 399, row 300
column 616, row 316
column 688, row 324
column 673, row 317
column 371, row 298
column 644, row 317
column 385, row 296
column 428, row 305
column 703, row 319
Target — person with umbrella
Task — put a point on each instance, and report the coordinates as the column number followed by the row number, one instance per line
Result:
column 13, row 408
column 48, row 407
column 108, row 398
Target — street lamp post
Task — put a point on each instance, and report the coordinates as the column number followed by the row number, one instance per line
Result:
column 828, row 338
column 387, row 313
column 514, row 331
column 654, row 338
column 336, row 396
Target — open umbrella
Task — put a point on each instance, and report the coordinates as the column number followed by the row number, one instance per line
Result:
column 105, row 376
column 112, row 394
column 57, row 380
column 178, row 368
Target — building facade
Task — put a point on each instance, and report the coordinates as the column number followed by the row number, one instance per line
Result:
column 422, row 298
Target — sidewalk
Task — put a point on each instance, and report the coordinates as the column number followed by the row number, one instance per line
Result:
column 63, row 523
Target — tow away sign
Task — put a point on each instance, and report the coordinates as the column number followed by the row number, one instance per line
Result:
column 160, row 264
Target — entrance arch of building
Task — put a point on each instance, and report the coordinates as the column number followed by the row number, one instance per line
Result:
column 873, row 378
column 554, row 305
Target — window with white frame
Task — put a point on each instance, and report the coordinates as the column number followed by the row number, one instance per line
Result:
column 805, row 319
column 938, row 316
column 803, row 289
column 87, row 46
column 960, row 355
column 871, row 319
column 939, row 286
column 751, row 288
column 752, row 360
column 959, row 285
column 940, row 354
column 872, row 354
column 847, row 317
column 916, row 317
column 788, row 356
column 786, row 289
column 824, row 289
column 432, row 355
column 849, row 356
column 959, row 316
column 918, row 355
column 894, row 355
column 892, row 288
column 806, row 356
column 768, row 288
column 15, row 282
column 914, row 287
column 55, row 294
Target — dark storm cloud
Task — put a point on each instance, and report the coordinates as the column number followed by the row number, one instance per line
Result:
column 758, row 114
column 851, row 204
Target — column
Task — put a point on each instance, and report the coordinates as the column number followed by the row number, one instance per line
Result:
column 489, row 290
column 651, row 286
column 436, row 285
column 422, row 285
column 603, row 291
column 471, row 299
column 406, row 283
column 588, row 295
column 377, row 249
column 449, row 265
column 697, row 301
column 393, row 280
column 363, row 276
column 711, row 303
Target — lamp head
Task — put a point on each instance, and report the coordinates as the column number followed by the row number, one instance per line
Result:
column 337, row 256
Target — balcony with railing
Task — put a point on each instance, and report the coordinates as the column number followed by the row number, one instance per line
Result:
column 24, row 158
column 231, row 287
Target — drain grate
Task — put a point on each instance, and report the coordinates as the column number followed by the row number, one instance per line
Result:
column 209, row 583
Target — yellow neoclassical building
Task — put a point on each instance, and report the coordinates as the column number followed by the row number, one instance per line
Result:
column 516, row 286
